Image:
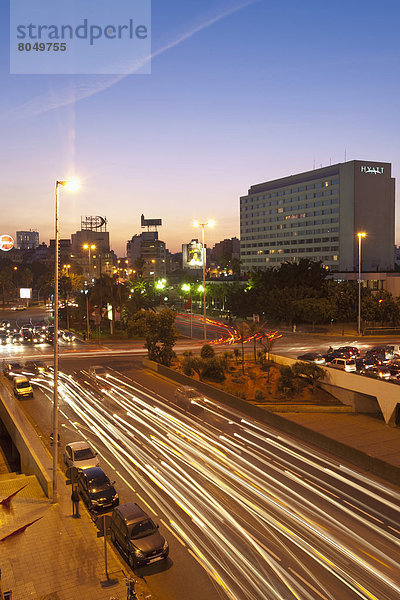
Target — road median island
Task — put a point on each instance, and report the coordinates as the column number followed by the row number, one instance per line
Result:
column 34, row 458
column 357, row 457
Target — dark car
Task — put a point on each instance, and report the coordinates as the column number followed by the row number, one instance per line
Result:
column 348, row 351
column 11, row 368
column 4, row 338
column 97, row 491
column 137, row 535
column 313, row 357
column 34, row 367
column 379, row 353
column 394, row 366
column 376, row 372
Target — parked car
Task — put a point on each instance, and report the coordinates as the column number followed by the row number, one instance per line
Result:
column 96, row 490
column 22, row 387
column 80, row 455
column 137, row 535
column 313, row 357
column 11, row 368
column 345, row 364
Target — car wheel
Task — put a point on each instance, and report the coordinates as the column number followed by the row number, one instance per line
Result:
column 132, row 561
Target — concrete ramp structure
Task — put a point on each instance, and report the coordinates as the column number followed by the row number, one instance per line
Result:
column 364, row 394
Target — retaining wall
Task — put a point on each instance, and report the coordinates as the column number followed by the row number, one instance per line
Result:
column 34, row 458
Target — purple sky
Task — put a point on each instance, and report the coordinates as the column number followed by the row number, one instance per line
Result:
column 235, row 97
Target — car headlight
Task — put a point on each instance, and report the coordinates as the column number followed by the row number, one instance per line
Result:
column 115, row 497
column 165, row 546
column 139, row 553
column 95, row 502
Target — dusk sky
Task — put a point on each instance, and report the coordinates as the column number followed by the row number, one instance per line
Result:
column 240, row 92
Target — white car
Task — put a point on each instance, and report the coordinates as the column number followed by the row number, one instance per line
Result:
column 80, row 455
column 345, row 364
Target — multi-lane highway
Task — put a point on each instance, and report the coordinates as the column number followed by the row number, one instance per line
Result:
column 249, row 514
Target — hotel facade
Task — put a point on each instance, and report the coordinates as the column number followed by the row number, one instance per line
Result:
column 317, row 215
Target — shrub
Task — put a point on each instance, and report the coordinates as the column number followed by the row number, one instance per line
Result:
column 286, row 383
column 187, row 367
column 309, row 373
column 259, row 395
column 207, row 351
column 241, row 394
column 213, row 369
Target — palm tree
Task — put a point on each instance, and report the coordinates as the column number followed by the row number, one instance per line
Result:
column 6, row 284
column 108, row 290
column 241, row 329
column 257, row 330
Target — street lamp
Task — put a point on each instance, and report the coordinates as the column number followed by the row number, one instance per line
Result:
column 203, row 227
column 89, row 247
column 71, row 185
column 67, row 268
column 360, row 235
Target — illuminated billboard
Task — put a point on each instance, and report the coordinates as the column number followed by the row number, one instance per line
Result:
column 192, row 255
column 6, row 242
column 25, row 292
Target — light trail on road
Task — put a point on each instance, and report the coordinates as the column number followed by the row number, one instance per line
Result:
column 264, row 516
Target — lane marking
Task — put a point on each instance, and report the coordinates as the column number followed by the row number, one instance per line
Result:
column 147, row 504
column 363, row 511
column 173, row 533
column 307, row 583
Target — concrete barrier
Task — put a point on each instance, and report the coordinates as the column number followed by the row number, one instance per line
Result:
column 353, row 455
column 34, row 458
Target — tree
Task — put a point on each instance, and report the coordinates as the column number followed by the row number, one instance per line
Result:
column 256, row 331
column 310, row 372
column 241, row 329
column 267, row 343
column 108, row 290
column 159, row 331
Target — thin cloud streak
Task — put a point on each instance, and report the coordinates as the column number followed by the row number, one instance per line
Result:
column 88, row 88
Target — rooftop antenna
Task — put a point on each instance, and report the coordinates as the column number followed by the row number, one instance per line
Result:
column 345, row 155
column 314, row 164
column 330, row 160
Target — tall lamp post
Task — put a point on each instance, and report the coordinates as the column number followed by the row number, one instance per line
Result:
column 70, row 185
column 360, row 235
column 203, row 227
column 89, row 247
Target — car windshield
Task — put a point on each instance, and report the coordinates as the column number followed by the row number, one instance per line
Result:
column 99, row 370
column 98, row 480
column 14, row 366
column 143, row 529
column 83, row 454
column 23, row 384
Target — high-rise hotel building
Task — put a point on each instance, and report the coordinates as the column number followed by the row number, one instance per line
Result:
column 317, row 215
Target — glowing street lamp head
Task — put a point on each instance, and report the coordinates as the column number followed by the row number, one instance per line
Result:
column 361, row 234
column 185, row 287
column 71, row 185
column 196, row 223
column 211, row 223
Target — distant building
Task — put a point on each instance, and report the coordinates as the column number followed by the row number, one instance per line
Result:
column 317, row 215
column 228, row 248
column 151, row 250
column 192, row 255
column 27, row 240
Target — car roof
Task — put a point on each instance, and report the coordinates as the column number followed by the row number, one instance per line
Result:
column 93, row 472
column 78, row 445
column 97, row 367
column 19, row 378
column 131, row 512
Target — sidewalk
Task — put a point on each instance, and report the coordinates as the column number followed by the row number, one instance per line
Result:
column 57, row 557
column 366, row 434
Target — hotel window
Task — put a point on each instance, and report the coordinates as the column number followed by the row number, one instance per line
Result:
column 326, row 183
